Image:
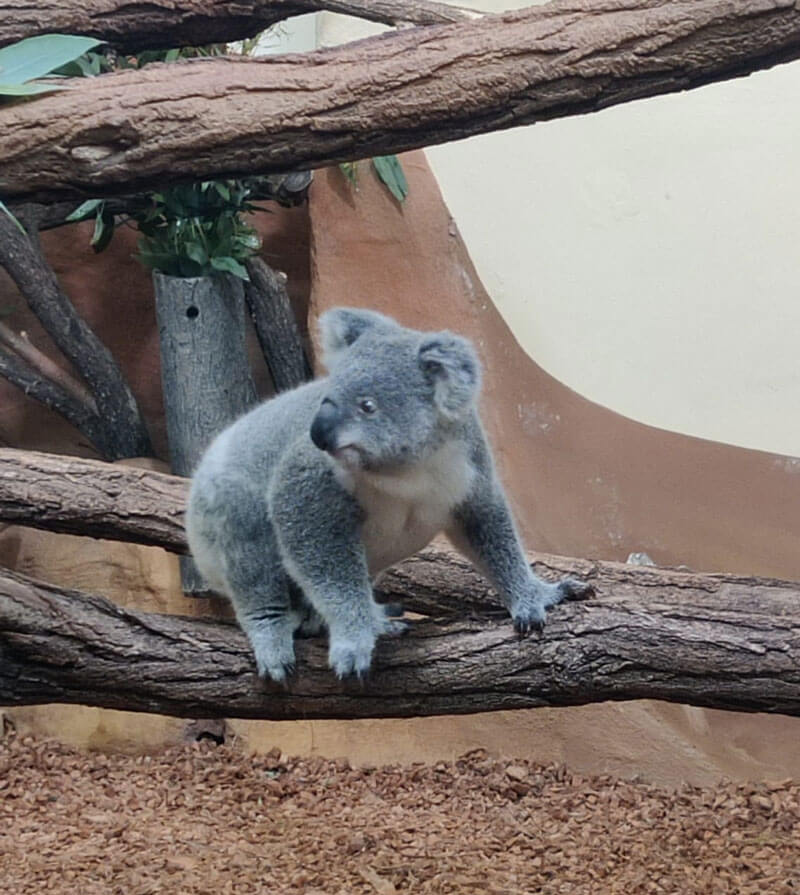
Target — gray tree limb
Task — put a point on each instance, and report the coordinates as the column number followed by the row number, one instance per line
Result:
column 275, row 326
column 116, row 427
column 133, row 130
column 196, row 22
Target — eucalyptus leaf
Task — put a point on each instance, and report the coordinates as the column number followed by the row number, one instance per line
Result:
column 391, row 173
column 84, row 210
column 36, row 56
column 31, row 88
column 230, row 265
column 4, row 209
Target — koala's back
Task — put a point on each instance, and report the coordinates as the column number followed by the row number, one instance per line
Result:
column 228, row 496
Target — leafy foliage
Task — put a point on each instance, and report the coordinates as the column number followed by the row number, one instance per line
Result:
column 390, row 171
column 25, row 61
column 196, row 230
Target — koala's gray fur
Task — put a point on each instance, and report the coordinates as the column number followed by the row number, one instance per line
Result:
column 300, row 503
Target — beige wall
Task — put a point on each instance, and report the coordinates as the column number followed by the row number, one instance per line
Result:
column 646, row 256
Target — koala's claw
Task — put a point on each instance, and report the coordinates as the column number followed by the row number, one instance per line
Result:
column 348, row 657
column 524, row 626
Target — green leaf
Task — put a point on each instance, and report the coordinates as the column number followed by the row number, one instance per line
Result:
column 84, row 210
column 4, row 209
column 196, row 252
column 391, row 173
column 172, row 55
column 230, row 265
column 31, row 88
column 349, row 171
column 103, row 230
column 36, row 56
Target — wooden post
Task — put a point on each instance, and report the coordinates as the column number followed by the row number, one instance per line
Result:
column 205, row 375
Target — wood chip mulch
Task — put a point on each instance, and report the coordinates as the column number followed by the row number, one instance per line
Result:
column 209, row 819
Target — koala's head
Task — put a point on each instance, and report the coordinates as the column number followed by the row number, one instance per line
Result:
column 393, row 394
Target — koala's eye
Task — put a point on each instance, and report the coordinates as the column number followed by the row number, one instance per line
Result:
column 367, row 405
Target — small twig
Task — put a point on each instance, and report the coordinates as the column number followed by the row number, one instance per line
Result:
column 118, row 429
column 21, row 374
column 20, row 345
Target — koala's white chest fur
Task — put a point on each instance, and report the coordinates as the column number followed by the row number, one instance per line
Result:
column 404, row 511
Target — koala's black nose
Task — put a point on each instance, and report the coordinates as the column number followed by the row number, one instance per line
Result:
column 324, row 424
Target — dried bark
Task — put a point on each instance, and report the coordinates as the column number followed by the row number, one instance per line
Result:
column 698, row 645
column 114, row 425
column 131, row 130
column 196, row 22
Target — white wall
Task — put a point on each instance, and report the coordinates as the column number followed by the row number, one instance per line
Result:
column 648, row 256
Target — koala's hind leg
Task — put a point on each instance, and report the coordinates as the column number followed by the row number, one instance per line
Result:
column 234, row 541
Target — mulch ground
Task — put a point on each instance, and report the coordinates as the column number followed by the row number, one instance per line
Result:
column 209, row 819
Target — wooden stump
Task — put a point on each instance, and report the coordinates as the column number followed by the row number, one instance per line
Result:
column 205, row 375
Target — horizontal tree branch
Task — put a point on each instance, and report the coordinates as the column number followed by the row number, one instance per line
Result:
column 133, row 130
column 89, row 497
column 161, row 24
column 738, row 653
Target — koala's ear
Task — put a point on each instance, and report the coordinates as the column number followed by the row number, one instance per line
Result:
column 340, row 327
column 450, row 363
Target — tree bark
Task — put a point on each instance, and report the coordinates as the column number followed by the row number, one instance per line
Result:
column 275, row 326
column 731, row 648
column 115, row 425
column 722, row 641
column 88, row 497
column 196, row 22
column 135, row 130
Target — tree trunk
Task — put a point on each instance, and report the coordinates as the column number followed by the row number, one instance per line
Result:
column 195, row 22
column 135, row 130
column 205, row 373
column 689, row 646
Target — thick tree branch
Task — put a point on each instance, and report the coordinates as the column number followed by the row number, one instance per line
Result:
column 101, row 500
column 117, row 428
column 196, row 22
column 744, row 654
column 131, row 130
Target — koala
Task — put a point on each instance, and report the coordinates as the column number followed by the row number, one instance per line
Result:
column 299, row 504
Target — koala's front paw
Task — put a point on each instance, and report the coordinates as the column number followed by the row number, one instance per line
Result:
column 273, row 648
column 349, row 655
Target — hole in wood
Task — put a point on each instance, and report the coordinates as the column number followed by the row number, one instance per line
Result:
column 192, row 311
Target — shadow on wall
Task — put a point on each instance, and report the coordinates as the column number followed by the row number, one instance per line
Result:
column 585, row 481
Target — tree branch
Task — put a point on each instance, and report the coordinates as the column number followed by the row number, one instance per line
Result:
column 131, row 130
column 197, row 22
column 117, row 428
column 276, row 328
column 89, row 497
column 35, row 385
column 743, row 654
